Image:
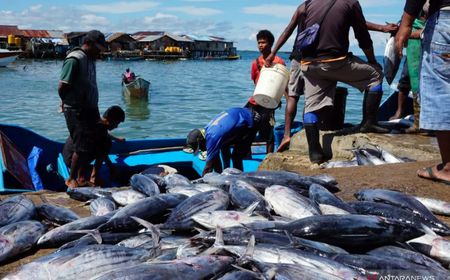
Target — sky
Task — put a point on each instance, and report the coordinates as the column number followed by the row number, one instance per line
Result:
column 235, row 20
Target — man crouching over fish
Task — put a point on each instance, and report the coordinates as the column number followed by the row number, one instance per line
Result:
column 235, row 126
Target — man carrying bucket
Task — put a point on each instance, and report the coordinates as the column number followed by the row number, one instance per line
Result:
column 265, row 41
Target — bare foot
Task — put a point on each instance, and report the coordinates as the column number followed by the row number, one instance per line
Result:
column 71, row 184
column 436, row 173
column 84, row 183
column 395, row 117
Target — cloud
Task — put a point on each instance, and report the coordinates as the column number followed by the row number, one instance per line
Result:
column 160, row 18
column 195, row 11
column 281, row 11
column 202, row 0
column 121, row 7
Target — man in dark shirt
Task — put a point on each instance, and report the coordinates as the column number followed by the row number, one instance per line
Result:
column 434, row 86
column 79, row 94
column 329, row 62
column 332, row 34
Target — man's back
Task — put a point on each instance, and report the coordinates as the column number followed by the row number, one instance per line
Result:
column 334, row 32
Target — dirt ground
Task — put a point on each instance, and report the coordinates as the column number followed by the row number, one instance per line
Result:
column 400, row 177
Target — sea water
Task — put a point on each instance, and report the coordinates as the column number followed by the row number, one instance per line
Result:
column 183, row 95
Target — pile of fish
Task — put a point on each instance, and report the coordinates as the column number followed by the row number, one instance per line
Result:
column 255, row 225
column 366, row 156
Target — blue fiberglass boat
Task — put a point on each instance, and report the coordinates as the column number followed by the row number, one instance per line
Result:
column 18, row 174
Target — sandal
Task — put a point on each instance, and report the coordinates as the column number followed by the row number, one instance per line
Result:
column 433, row 177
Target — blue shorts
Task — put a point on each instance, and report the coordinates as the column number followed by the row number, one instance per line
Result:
column 435, row 73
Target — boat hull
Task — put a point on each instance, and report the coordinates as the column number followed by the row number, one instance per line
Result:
column 6, row 57
column 137, row 89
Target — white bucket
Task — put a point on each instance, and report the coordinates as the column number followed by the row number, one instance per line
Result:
column 271, row 86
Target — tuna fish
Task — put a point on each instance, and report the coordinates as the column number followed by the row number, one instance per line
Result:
column 396, row 213
column 433, row 246
column 144, row 184
column 158, row 180
column 68, row 232
column 388, row 157
column 288, row 203
column 294, row 272
column 56, row 214
column 391, row 60
column 126, row 197
column 187, row 191
column 384, row 265
column 146, row 209
column 240, row 275
column 263, row 179
column 19, row 237
column 194, row 268
column 269, row 253
column 243, row 195
column 15, row 209
column 228, row 218
column 352, row 231
column 408, row 255
column 98, row 238
column 328, row 202
column 181, row 216
column 88, row 193
column 436, row 206
column 80, row 263
column 102, row 206
column 177, row 180
column 401, row 200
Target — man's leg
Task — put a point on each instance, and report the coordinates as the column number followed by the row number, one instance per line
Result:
column 404, row 87
column 368, row 79
column 441, row 171
column 71, row 182
column 401, row 100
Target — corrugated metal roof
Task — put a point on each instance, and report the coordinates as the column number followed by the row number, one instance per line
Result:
column 151, row 38
column 117, row 35
column 56, row 33
column 32, row 33
column 206, row 38
column 6, row 30
column 143, row 34
column 179, row 38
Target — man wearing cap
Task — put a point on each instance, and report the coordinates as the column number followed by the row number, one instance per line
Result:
column 79, row 94
column 235, row 126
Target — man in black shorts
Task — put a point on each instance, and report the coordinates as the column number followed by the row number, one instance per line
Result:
column 79, row 95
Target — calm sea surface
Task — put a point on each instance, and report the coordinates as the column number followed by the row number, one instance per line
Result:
column 183, row 95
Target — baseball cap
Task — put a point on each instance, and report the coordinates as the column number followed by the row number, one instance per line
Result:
column 195, row 140
column 97, row 37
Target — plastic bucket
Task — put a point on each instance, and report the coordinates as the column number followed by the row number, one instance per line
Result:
column 278, row 131
column 271, row 85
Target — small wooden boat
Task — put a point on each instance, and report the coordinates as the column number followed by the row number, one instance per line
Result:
column 137, row 89
column 130, row 157
column 7, row 56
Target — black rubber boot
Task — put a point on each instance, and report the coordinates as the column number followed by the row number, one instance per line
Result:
column 315, row 149
column 370, row 109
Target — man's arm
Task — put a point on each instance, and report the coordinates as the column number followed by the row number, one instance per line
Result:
column 404, row 32
column 285, row 35
column 385, row 28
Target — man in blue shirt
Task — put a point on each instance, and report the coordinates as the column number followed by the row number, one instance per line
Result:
column 235, row 126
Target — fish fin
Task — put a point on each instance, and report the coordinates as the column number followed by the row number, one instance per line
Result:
column 200, row 231
column 95, row 233
column 154, row 231
column 249, row 210
column 219, row 238
column 292, row 241
column 250, row 250
column 240, row 268
column 428, row 230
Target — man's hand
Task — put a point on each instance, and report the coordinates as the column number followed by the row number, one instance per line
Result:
column 284, row 145
column 269, row 60
column 390, row 28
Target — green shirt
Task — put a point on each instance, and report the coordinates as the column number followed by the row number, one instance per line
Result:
column 69, row 70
